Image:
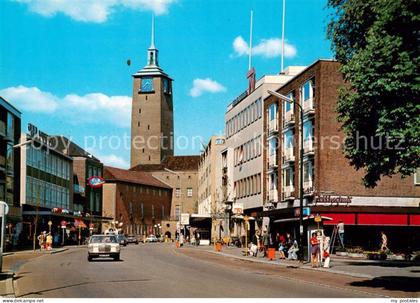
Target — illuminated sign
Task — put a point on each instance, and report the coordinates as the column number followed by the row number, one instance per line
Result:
column 96, row 182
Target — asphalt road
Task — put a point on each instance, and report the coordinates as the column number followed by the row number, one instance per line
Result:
column 159, row 270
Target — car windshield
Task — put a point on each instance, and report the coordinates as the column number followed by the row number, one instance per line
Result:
column 103, row 239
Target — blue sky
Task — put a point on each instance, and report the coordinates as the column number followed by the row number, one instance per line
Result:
column 64, row 65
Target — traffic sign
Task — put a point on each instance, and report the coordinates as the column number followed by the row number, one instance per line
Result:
column 4, row 208
column 318, row 218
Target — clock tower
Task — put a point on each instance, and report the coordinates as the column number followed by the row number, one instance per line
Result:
column 152, row 123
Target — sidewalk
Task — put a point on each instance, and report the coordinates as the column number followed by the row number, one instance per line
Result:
column 18, row 258
column 359, row 268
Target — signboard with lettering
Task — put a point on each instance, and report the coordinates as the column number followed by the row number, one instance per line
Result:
column 96, row 182
column 332, row 200
column 185, row 219
column 238, row 208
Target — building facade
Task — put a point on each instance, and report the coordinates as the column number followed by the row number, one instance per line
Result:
column 152, row 112
column 137, row 201
column 211, row 196
column 10, row 123
column 181, row 174
column 46, row 193
column 244, row 131
column 332, row 188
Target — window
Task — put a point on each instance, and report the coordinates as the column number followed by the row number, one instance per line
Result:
column 272, row 146
column 307, row 172
column 288, row 139
column 308, row 130
column 272, row 112
column 287, row 105
column 178, row 192
column 189, row 192
column 10, row 125
column 288, row 176
column 417, row 177
column 166, row 86
column 306, row 90
column 177, row 212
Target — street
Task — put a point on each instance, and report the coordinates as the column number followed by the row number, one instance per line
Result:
column 160, row 270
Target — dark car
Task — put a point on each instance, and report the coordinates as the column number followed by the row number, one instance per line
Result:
column 122, row 240
column 132, row 239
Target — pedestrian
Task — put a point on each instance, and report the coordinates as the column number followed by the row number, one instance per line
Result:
column 254, row 245
column 314, row 250
column 281, row 251
column 292, row 252
column 384, row 242
column 326, row 253
column 340, row 227
column 49, row 240
column 266, row 242
column 41, row 240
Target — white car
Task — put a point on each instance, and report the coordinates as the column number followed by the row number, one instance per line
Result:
column 103, row 246
column 152, row 238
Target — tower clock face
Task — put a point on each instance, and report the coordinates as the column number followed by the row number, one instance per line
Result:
column 147, row 84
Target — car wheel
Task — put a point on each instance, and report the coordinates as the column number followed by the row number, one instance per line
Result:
column 117, row 258
column 90, row 258
column 137, row 243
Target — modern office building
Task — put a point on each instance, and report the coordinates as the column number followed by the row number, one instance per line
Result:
column 10, row 123
column 244, row 138
column 46, row 192
column 332, row 187
column 211, row 194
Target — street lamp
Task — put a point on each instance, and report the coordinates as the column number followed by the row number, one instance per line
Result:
column 286, row 99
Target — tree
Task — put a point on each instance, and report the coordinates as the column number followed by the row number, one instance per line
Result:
column 377, row 42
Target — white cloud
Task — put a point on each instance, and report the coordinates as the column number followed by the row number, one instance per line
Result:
column 30, row 99
column 267, row 48
column 96, row 11
column 91, row 108
column 201, row 86
column 114, row 160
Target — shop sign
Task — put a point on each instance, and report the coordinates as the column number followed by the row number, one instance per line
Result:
column 238, row 208
column 45, row 139
column 185, row 219
column 317, row 218
column 96, row 182
column 91, row 226
column 63, row 224
column 332, row 200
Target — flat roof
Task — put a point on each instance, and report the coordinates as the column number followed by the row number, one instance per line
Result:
column 9, row 107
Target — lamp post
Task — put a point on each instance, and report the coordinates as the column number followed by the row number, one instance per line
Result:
column 286, row 99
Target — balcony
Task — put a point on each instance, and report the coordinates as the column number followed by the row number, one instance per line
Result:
column 272, row 161
column 273, row 196
column 308, row 147
column 273, row 126
column 308, row 188
column 308, row 107
column 289, row 119
column 288, row 193
column 288, row 155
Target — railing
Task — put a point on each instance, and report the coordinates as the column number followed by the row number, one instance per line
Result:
column 289, row 118
column 308, row 106
column 308, row 146
column 273, row 195
column 272, row 160
column 273, row 126
column 288, row 192
column 288, row 154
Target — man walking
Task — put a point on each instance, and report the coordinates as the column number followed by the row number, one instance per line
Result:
column 340, row 227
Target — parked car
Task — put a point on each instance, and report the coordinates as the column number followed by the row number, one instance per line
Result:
column 103, row 246
column 122, row 240
column 152, row 238
column 132, row 239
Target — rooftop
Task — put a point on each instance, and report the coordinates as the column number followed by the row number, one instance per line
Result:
column 176, row 163
column 136, row 177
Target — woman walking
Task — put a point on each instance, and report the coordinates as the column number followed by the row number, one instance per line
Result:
column 314, row 250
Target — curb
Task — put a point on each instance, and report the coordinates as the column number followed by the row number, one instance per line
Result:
column 51, row 252
column 305, row 267
column 10, row 291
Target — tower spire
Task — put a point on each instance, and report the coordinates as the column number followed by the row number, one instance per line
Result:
column 152, row 53
column 152, row 43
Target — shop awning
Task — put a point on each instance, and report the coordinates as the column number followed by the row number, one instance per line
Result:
column 311, row 217
column 375, row 219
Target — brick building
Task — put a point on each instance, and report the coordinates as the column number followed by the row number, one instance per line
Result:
column 181, row 174
column 138, row 201
column 332, row 187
